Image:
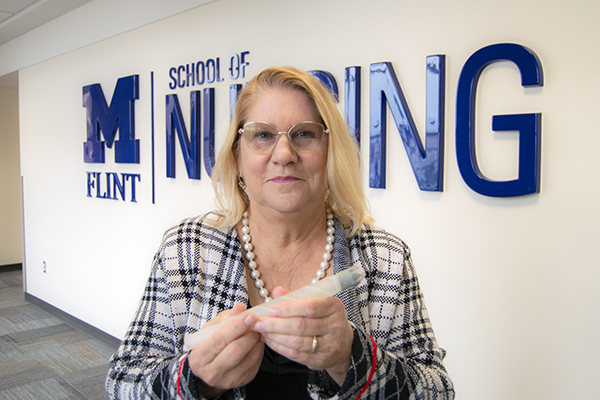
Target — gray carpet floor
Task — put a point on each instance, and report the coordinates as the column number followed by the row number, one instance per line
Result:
column 41, row 357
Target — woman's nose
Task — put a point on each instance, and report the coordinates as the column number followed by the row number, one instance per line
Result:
column 284, row 152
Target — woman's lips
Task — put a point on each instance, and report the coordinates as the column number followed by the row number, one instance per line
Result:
column 284, row 179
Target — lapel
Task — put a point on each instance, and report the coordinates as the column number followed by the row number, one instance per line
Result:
column 342, row 261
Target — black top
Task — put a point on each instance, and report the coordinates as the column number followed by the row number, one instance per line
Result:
column 279, row 378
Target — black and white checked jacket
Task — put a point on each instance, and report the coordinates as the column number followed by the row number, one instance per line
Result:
column 199, row 272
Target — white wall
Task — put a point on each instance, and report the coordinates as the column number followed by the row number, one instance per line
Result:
column 510, row 283
column 11, row 238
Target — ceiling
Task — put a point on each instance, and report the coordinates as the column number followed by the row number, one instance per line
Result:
column 21, row 16
column 18, row 17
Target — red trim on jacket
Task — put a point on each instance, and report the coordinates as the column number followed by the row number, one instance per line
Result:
column 373, row 368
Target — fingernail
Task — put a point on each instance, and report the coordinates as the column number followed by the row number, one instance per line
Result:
column 258, row 326
column 274, row 312
column 250, row 319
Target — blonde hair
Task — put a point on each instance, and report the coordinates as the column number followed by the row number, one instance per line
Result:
column 346, row 197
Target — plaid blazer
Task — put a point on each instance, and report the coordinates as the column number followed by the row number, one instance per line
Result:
column 198, row 272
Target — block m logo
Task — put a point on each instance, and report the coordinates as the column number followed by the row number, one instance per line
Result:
column 105, row 120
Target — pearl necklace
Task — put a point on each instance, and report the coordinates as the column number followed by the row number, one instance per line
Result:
column 255, row 274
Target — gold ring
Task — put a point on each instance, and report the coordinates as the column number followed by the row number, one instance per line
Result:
column 314, row 344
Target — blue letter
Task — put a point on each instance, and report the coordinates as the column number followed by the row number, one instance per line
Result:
column 173, row 84
column 98, row 176
column 190, row 147
column 198, row 69
column 527, row 124
column 244, row 63
column 234, row 91
column 234, row 66
column 328, row 81
column 210, row 66
column 133, row 177
column 190, row 74
column 426, row 162
column 209, row 130
column 352, row 103
column 218, row 68
column 119, row 186
column 180, row 69
column 102, row 118
column 90, row 183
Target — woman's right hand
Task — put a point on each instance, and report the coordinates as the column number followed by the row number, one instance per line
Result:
column 230, row 357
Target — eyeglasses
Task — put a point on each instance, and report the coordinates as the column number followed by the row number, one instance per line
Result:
column 262, row 137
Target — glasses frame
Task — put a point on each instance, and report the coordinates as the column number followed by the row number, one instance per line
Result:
column 287, row 133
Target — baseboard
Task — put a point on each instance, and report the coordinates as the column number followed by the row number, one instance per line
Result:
column 74, row 322
column 11, row 267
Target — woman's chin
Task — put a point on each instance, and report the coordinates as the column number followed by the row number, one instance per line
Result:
column 291, row 204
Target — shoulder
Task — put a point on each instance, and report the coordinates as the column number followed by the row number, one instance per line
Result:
column 195, row 245
column 371, row 237
column 382, row 253
column 197, row 230
column 204, row 223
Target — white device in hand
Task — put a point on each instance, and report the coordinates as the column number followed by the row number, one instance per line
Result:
column 323, row 288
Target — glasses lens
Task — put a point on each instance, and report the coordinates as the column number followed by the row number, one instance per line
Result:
column 306, row 136
column 260, row 136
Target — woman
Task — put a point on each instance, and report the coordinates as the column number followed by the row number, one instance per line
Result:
column 291, row 211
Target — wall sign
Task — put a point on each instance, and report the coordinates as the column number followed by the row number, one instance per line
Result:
column 528, row 125
column 104, row 121
column 426, row 158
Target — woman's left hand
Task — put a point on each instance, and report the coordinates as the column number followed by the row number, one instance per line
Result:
column 293, row 326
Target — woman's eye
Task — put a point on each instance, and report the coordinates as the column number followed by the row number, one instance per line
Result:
column 264, row 135
column 304, row 134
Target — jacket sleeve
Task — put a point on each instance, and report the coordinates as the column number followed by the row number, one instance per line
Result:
column 195, row 260
column 395, row 354
column 149, row 363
